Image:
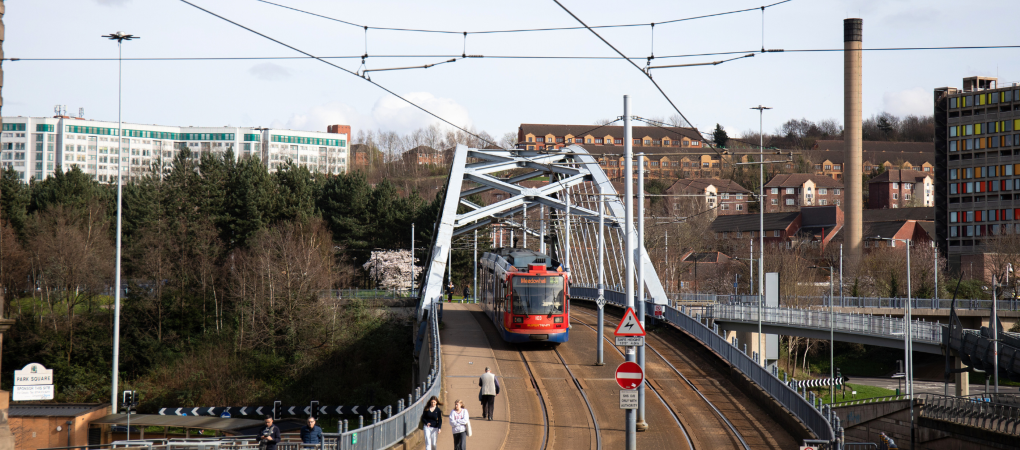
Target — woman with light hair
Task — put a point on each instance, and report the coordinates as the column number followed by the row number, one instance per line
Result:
column 461, row 425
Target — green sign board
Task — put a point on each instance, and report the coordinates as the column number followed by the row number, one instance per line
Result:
column 354, row 438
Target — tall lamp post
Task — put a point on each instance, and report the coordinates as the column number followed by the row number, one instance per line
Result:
column 120, row 37
column 761, row 236
column 908, row 343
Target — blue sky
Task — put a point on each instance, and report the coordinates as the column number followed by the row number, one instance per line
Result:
column 494, row 95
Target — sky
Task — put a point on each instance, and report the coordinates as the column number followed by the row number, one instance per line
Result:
column 494, row 95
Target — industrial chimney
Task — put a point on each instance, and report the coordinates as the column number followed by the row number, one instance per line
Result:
column 852, row 152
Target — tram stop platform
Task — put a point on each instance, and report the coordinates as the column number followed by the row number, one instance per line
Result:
column 466, row 353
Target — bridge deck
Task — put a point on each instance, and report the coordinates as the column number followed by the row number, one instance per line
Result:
column 470, row 343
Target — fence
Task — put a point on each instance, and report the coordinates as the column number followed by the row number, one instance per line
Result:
column 881, row 302
column 974, row 412
column 812, row 416
column 929, row 332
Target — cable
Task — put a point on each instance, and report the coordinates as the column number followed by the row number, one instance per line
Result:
column 338, row 67
column 522, row 30
column 625, row 57
column 255, row 58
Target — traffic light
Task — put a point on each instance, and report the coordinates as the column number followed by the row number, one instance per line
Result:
column 277, row 410
column 314, row 410
column 130, row 401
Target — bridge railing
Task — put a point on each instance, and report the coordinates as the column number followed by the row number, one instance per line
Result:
column 974, row 412
column 813, row 418
column 843, row 322
column 882, row 302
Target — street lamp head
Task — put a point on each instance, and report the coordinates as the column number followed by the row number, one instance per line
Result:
column 121, row 36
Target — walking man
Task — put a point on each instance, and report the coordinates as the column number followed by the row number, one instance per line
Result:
column 467, row 293
column 488, row 393
column 270, row 435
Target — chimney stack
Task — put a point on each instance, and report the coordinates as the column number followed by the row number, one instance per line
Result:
column 852, row 138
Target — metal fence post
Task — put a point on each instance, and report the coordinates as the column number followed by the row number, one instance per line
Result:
column 361, row 422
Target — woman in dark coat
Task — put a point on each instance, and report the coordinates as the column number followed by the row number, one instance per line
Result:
column 432, row 420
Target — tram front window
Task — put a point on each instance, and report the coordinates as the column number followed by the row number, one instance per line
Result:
column 538, row 295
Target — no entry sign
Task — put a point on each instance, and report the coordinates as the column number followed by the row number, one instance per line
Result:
column 629, row 375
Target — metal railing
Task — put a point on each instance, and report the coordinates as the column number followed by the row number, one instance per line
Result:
column 929, row 332
column 973, row 412
column 881, row 302
column 864, row 401
column 820, row 420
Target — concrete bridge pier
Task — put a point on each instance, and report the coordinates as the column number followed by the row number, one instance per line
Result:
column 962, row 379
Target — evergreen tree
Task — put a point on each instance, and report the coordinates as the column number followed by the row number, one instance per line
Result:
column 14, row 200
column 720, row 137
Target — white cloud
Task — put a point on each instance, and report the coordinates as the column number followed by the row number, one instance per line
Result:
column 269, row 72
column 113, row 2
column 318, row 117
column 388, row 114
column 394, row 114
column 917, row 101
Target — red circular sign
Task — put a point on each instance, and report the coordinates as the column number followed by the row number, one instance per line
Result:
column 629, row 375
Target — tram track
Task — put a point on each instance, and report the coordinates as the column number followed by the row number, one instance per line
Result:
column 673, row 413
column 739, row 437
column 549, row 439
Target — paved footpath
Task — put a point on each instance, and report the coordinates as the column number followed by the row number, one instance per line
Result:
column 466, row 354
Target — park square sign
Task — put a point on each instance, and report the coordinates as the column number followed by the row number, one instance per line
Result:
column 34, row 382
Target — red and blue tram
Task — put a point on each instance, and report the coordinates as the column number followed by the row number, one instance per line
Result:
column 525, row 295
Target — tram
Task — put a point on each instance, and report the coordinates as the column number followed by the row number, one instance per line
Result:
column 525, row 295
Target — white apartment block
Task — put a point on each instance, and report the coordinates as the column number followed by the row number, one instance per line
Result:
column 37, row 146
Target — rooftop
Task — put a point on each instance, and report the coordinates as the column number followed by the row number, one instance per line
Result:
column 749, row 222
column 898, row 175
column 699, row 184
column 798, row 179
column 656, row 133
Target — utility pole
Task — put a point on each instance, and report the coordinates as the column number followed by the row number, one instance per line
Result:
column 599, row 361
column 412, row 260
column 761, row 223
column 474, row 292
column 641, row 425
column 628, row 163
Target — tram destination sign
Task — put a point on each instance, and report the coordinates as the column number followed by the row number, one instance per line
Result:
column 630, row 341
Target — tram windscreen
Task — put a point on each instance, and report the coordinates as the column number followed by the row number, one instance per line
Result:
column 538, row 295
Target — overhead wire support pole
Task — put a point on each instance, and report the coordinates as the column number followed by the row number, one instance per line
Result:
column 761, row 225
column 474, row 292
column 713, row 63
column 628, row 162
column 599, row 361
column 641, row 425
column 426, row 66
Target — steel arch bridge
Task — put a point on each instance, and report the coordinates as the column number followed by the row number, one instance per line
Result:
column 576, row 185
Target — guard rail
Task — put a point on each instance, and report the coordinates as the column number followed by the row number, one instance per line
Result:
column 973, row 412
column 920, row 330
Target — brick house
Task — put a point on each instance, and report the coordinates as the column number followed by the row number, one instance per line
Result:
column 897, row 188
column 724, row 196
column 790, row 192
column 827, row 157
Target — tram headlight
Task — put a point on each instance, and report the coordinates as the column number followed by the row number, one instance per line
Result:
column 558, row 319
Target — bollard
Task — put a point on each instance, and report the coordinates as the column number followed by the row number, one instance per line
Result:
column 745, row 348
column 417, row 394
column 361, row 422
column 400, row 405
column 345, row 429
column 409, row 400
column 389, row 411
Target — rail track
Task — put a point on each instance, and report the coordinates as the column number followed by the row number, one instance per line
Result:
column 539, row 387
column 736, row 434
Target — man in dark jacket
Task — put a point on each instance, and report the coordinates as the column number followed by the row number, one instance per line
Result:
column 269, row 436
column 311, row 434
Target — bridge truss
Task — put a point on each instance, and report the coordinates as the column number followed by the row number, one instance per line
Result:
column 565, row 209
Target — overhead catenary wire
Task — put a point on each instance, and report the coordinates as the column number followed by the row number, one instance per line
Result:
column 520, row 30
column 552, row 57
column 338, row 67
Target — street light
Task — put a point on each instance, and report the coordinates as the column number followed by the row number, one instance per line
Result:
column 120, row 37
column 761, row 232
column 832, row 339
column 908, row 343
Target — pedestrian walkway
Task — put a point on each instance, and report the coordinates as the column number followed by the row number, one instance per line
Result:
column 466, row 354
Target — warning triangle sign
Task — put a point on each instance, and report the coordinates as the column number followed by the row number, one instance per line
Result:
column 629, row 326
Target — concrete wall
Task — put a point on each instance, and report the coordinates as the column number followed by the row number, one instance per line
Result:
column 866, row 422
